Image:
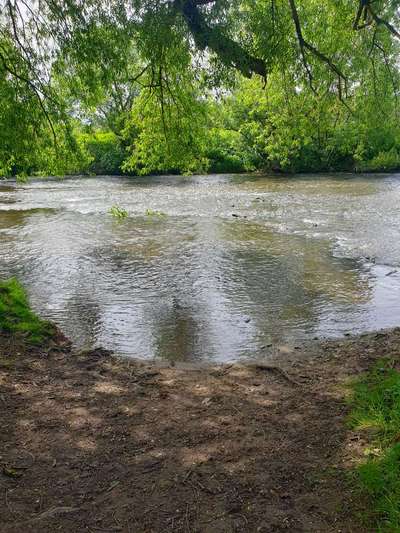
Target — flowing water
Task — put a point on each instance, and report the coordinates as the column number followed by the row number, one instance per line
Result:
column 233, row 265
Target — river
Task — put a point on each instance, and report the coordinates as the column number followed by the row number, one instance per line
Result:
column 216, row 268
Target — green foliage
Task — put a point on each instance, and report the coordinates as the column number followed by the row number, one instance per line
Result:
column 36, row 135
column 27, row 145
column 16, row 316
column 160, row 147
column 171, row 80
column 152, row 213
column 384, row 161
column 286, row 127
column 227, row 152
column 106, row 153
column 118, row 212
column 167, row 127
column 376, row 408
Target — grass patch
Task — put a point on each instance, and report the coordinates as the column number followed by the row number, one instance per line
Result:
column 16, row 316
column 376, row 409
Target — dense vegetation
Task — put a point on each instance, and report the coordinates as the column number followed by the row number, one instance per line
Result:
column 376, row 409
column 16, row 316
column 198, row 85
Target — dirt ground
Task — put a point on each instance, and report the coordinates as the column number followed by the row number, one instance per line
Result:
column 93, row 443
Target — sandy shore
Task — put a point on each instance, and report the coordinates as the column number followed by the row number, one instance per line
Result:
column 91, row 442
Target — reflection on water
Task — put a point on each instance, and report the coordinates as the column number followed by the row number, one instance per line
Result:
column 300, row 258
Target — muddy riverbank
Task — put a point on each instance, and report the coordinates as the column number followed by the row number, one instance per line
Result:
column 91, row 442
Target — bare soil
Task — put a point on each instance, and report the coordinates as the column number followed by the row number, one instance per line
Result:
column 94, row 443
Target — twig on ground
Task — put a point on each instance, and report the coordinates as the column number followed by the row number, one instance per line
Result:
column 50, row 514
column 278, row 370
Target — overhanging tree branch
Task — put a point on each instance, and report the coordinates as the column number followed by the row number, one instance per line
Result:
column 301, row 41
column 229, row 51
column 305, row 45
column 38, row 93
column 367, row 13
column 380, row 21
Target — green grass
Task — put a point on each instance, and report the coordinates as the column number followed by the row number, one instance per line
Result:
column 376, row 409
column 17, row 318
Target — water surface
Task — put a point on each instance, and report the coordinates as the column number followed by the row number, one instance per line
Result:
column 238, row 263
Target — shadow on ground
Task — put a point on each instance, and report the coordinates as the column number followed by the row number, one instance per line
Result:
column 93, row 443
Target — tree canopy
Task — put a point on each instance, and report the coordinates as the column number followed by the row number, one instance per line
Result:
column 293, row 83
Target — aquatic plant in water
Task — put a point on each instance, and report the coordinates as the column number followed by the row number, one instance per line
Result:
column 118, row 212
column 151, row 213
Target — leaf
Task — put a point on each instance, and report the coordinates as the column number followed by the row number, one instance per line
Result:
column 11, row 472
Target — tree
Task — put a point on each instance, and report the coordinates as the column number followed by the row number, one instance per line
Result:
column 98, row 57
column 247, row 35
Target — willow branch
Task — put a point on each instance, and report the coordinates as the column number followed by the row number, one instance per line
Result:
column 301, row 41
column 39, row 94
column 365, row 9
column 228, row 50
column 305, row 45
column 380, row 21
column 362, row 11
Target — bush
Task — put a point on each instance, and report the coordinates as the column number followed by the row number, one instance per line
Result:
column 221, row 163
column 106, row 152
column 384, row 161
column 227, row 152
